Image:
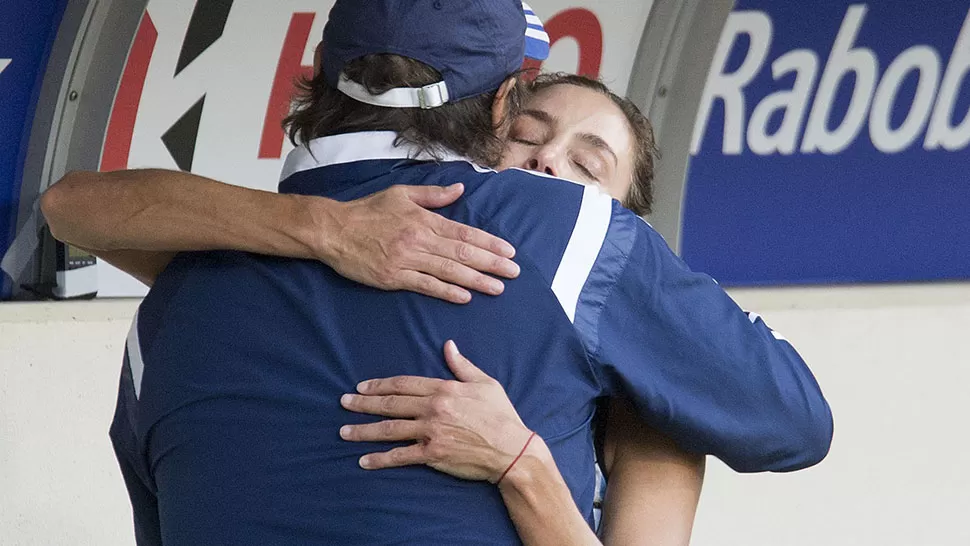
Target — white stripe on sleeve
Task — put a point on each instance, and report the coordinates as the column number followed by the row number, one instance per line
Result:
column 583, row 248
column 753, row 317
column 134, row 356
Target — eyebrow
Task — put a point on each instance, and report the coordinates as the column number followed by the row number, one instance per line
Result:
column 539, row 115
column 597, row 142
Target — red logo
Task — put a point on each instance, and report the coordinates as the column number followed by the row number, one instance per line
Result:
column 583, row 26
column 206, row 26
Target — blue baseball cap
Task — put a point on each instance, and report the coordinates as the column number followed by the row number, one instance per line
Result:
column 474, row 44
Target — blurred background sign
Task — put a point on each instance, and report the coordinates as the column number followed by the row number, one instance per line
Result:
column 207, row 84
column 829, row 145
column 27, row 31
column 832, row 145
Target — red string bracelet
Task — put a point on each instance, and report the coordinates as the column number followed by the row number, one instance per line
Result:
column 517, row 457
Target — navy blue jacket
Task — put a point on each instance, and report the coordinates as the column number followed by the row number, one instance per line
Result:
column 228, row 410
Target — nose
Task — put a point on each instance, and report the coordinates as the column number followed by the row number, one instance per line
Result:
column 543, row 161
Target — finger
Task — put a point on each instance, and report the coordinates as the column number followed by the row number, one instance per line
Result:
column 456, row 274
column 474, row 257
column 463, row 368
column 476, row 237
column 422, row 283
column 399, row 456
column 434, row 197
column 401, row 407
column 384, row 431
column 407, row 385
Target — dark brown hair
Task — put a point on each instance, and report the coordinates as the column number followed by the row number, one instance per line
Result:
column 463, row 127
column 640, row 198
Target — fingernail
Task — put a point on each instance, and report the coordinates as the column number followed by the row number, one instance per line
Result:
column 508, row 250
column 464, row 297
column 345, row 432
column 346, row 400
column 363, row 386
column 365, row 462
column 495, row 287
column 452, row 347
column 512, row 269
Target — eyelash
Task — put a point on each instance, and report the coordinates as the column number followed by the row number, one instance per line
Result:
column 586, row 172
column 582, row 168
column 523, row 141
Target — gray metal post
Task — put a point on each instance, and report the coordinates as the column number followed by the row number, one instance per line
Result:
column 77, row 95
column 667, row 83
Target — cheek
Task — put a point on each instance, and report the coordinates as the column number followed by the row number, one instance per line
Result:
column 622, row 180
column 569, row 173
column 619, row 189
column 516, row 155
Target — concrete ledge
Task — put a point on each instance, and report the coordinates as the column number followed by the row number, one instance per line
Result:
column 856, row 296
column 68, row 311
column 755, row 299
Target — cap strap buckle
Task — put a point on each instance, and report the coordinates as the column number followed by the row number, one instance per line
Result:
column 432, row 96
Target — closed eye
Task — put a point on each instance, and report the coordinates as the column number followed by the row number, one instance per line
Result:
column 584, row 171
column 527, row 142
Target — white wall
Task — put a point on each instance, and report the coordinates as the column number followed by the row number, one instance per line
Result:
column 893, row 362
column 59, row 371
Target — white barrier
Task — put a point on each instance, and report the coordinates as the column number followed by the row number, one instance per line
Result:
column 892, row 361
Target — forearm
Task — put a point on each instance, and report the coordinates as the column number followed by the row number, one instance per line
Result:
column 651, row 504
column 143, row 265
column 720, row 382
column 651, row 499
column 390, row 240
column 155, row 210
column 540, row 504
column 653, row 486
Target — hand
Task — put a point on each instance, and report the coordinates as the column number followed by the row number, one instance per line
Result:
column 466, row 428
column 390, row 241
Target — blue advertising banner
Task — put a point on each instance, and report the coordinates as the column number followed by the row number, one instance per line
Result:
column 27, row 30
column 832, row 145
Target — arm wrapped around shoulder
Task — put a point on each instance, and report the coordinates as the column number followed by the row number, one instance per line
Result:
column 714, row 378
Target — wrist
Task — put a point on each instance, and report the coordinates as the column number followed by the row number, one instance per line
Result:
column 530, row 469
column 320, row 223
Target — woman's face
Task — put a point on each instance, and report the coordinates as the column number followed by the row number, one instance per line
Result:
column 574, row 133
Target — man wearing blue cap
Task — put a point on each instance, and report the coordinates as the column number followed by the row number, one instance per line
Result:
column 228, row 415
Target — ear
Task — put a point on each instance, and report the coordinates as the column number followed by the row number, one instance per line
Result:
column 500, row 107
